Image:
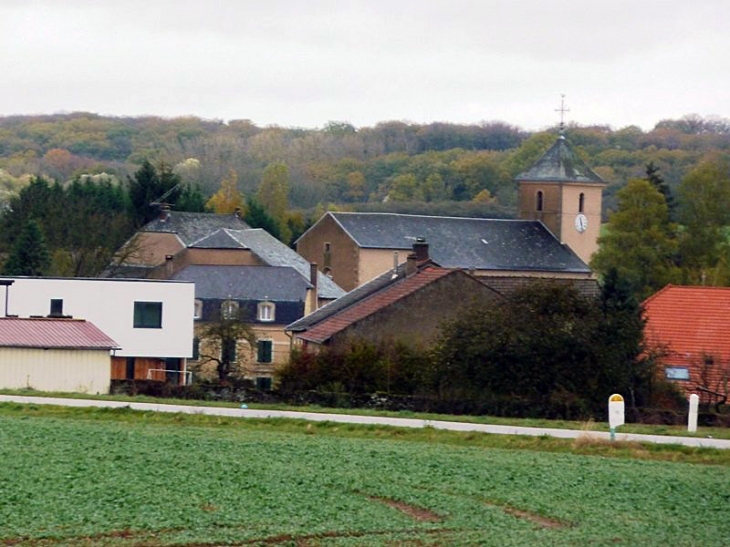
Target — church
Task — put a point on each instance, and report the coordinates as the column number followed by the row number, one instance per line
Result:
column 554, row 236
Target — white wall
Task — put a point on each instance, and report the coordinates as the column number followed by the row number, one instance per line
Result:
column 79, row 371
column 109, row 304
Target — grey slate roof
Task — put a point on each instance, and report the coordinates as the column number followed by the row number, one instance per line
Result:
column 560, row 164
column 482, row 244
column 271, row 251
column 245, row 282
column 191, row 227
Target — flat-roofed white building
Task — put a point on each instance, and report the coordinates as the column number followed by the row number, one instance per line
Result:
column 151, row 321
column 54, row 355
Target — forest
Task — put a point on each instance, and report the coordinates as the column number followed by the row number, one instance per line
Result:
column 369, row 167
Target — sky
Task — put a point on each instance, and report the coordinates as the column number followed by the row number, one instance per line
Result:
column 304, row 63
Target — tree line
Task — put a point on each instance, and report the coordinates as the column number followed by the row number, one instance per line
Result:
column 391, row 162
column 74, row 229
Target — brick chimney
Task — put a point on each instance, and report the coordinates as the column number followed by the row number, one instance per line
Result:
column 314, row 291
column 417, row 257
column 420, row 249
column 164, row 212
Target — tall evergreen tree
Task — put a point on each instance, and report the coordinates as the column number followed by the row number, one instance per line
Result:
column 257, row 217
column 640, row 241
column 656, row 180
column 149, row 186
column 29, row 255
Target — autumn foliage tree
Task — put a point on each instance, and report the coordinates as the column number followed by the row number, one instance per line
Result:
column 228, row 199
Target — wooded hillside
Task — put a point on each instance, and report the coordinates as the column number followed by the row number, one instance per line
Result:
column 436, row 168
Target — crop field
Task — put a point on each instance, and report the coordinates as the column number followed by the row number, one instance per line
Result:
column 129, row 478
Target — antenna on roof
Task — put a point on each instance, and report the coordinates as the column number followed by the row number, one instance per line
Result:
column 563, row 109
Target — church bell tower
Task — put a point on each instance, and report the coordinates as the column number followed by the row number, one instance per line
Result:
column 565, row 194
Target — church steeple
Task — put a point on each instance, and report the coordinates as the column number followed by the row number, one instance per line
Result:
column 565, row 194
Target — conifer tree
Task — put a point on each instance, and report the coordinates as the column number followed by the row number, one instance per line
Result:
column 29, row 255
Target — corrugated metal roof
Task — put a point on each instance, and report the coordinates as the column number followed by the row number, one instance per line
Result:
column 52, row 334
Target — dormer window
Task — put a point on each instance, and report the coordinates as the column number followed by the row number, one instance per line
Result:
column 229, row 310
column 266, row 311
column 198, row 309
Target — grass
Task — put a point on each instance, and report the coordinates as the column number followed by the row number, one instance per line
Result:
column 668, row 430
column 118, row 477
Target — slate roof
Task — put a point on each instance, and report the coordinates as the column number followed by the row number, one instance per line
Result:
column 383, row 291
column 272, row 252
column 52, row 334
column 191, row 227
column 482, row 244
column 560, row 164
column 692, row 321
column 278, row 284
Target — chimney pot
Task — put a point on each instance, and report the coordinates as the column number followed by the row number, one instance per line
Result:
column 420, row 249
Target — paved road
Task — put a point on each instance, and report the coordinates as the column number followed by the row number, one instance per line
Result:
column 372, row 420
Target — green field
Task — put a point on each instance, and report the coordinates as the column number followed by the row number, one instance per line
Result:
column 101, row 477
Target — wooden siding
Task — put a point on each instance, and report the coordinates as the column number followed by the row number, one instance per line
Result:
column 145, row 368
column 79, row 371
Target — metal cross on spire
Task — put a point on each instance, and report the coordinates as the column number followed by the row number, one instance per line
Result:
column 563, row 109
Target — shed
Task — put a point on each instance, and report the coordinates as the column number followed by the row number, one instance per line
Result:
column 52, row 354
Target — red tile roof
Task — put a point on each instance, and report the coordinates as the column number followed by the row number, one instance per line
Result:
column 691, row 323
column 52, row 334
column 373, row 303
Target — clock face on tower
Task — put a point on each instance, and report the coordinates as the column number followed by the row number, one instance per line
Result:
column 581, row 223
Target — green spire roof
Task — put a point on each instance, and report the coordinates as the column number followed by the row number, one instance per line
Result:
column 560, row 164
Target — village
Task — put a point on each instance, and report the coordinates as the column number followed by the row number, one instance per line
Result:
column 201, row 296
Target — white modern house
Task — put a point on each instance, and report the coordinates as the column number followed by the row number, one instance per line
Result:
column 151, row 321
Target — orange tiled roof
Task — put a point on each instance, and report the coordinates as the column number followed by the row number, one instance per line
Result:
column 373, row 303
column 691, row 322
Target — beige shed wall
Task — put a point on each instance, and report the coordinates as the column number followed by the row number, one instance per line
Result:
column 79, row 371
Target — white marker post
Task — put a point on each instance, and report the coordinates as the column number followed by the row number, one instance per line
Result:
column 615, row 413
column 694, row 403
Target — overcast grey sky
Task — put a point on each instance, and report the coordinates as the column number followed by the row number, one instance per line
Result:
column 306, row 62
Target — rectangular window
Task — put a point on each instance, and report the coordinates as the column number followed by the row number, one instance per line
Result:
column 198, row 310
column 677, row 373
column 266, row 311
column 263, row 383
column 229, row 310
column 130, row 368
column 228, row 351
column 56, row 307
column 196, row 348
column 265, row 353
column 148, row 315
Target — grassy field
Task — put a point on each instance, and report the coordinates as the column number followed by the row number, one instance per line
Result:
column 118, row 477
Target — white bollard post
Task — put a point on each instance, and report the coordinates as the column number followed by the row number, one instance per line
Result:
column 615, row 413
column 694, row 403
